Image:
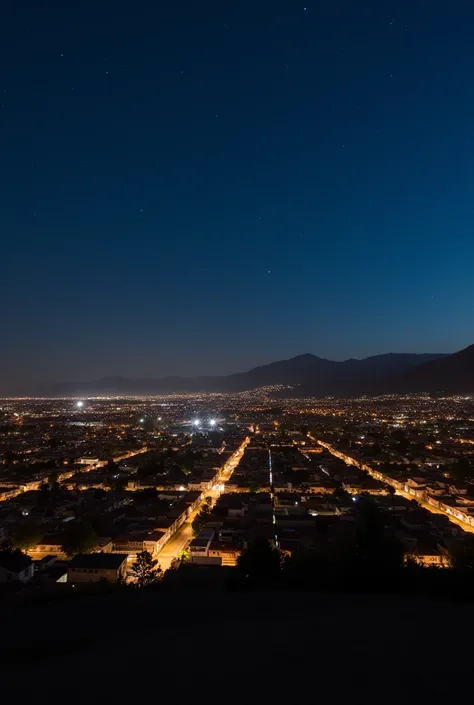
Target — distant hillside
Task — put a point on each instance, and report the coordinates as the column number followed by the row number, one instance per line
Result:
column 308, row 374
column 453, row 374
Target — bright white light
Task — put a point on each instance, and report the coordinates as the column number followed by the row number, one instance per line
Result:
column 142, row 420
column 197, row 422
column 159, row 418
column 212, row 422
column 79, row 404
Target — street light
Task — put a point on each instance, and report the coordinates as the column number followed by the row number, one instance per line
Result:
column 79, row 404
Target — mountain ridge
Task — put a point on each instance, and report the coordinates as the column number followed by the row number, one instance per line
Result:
column 307, row 374
column 453, row 374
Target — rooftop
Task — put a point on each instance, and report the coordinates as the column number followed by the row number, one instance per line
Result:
column 104, row 561
column 14, row 561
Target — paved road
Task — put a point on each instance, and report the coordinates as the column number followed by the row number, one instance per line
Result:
column 177, row 543
column 434, row 510
column 184, row 534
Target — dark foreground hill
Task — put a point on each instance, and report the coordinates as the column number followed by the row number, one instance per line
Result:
column 272, row 647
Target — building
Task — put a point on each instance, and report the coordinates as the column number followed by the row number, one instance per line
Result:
column 228, row 553
column 15, row 567
column 131, row 544
column 199, row 547
column 49, row 545
column 93, row 567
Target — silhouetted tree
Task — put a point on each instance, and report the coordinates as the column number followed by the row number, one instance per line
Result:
column 375, row 553
column 26, row 536
column 260, row 563
column 461, row 470
column 462, row 558
column 201, row 518
column 146, row 570
column 79, row 538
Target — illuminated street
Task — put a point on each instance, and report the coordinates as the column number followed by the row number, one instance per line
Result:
column 378, row 475
column 184, row 535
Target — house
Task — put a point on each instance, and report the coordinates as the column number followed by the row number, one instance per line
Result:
column 93, row 567
column 227, row 552
column 50, row 569
column 15, row 567
column 49, row 545
column 131, row 544
column 199, row 547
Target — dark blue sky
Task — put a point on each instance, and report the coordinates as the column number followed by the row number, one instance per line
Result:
column 198, row 187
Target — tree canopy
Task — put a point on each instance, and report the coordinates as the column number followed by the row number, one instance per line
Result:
column 26, row 536
column 260, row 563
column 201, row 518
column 79, row 538
column 146, row 570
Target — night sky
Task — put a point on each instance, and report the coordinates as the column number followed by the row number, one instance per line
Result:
column 199, row 187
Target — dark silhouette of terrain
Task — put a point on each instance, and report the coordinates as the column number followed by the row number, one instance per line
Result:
column 453, row 375
column 275, row 646
column 307, row 374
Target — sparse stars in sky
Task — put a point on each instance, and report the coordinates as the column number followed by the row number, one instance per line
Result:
column 243, row 123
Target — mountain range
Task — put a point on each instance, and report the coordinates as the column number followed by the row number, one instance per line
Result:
column 310, row 375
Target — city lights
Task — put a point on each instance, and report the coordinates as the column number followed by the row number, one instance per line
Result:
column 79, row 404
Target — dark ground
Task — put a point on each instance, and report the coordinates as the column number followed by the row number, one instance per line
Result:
column 237, row 647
